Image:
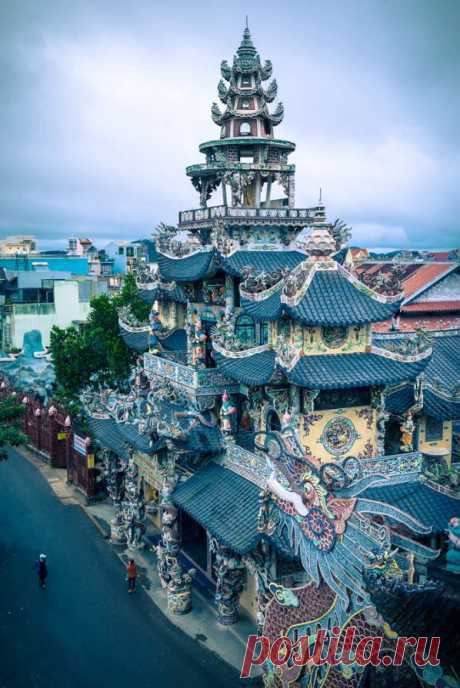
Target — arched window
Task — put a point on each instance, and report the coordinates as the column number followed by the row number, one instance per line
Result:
column 245, row 129
column 245, row 104
column 245, row 330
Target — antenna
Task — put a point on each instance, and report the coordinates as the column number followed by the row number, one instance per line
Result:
column 247, row 22
column 320, row 196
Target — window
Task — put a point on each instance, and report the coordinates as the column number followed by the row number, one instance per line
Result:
column 245, row 330
column 246, row 80
column 130, row 251
column 264, row 333
column 245, row 129
column 433, row 429
column 284, row 327
column 245, row 104
column 121, row 251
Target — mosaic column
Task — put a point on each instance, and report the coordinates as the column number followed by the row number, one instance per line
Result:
column 381, row 418
column 133, row 505
column 114, row 479
column 173, row 579
column 229, row 571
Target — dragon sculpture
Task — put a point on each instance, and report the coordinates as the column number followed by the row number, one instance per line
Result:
column 316, row 512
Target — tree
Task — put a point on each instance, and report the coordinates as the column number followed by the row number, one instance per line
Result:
column 129, row 296
column 96, row 348
column 10, row 432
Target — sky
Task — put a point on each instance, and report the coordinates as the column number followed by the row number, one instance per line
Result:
column 103, row 104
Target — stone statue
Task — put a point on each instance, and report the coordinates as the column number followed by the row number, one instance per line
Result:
column 407, row 433
column 226, row 412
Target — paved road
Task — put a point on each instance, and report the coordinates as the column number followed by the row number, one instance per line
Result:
column 83, row 631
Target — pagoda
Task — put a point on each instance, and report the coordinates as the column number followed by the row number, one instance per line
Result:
column 273, row 431
column 247, row 161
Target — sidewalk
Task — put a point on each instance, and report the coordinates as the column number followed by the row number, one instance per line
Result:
column 229, row 642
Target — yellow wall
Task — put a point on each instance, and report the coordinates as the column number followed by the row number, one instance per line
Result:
column 310, row 342
column 364, row 444
column 444, row 443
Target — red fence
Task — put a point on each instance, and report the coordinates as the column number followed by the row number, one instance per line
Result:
column 50, row 431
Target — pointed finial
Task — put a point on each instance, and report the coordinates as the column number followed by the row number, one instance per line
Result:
column 247, row 25
column 320, row 196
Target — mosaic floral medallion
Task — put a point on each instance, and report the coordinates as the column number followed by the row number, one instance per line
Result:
column 334, row 337
column 339, row 435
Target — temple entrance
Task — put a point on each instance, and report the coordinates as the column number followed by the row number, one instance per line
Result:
column 194, row 541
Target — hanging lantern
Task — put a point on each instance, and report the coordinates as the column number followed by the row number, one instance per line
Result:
column 52, row 411
column 67, row 422
column 37, row 413
column 25, row 400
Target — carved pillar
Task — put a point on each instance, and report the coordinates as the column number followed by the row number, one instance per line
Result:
column 174, row 580
column 229, row 293
column 291, row 192
column 269, row 191
column 258, row 564
column 229, row 571
column 114, row 479
column 258, row 184
column 224, row 193
column 381, row 418
column 133, row 505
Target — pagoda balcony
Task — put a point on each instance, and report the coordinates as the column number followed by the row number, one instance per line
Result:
column 211, row 168
column 202, row 381
column 202, row 218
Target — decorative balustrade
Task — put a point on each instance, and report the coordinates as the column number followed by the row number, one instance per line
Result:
column 296, row 216
column 406, row 465
column 205, row 381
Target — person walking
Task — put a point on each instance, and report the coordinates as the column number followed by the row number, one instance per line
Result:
column 131, row 575
column 42, row 570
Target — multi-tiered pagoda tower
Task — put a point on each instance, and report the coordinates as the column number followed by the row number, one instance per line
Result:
column 247, row 161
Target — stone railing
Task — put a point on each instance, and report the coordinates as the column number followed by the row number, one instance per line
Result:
column 296, row 216
column 204, row 381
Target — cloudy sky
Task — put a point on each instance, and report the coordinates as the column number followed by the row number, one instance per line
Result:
column 104, row 103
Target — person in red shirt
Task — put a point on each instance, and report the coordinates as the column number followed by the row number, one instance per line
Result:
column 131, row 575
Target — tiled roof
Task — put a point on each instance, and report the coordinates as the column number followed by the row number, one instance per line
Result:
column 115, row 436
column 331, row 299
column 431, row 307
column 424, row 503
column 224, row 503
column 341, row 371
column 439, row 407
column 252, row 370
column 188, row 269
column 261, row 260
column 398, row 402
column 445, row 361
column 177, row 341
column 139, row 341
column 335, row 371
column 150, row 295
column 424, row 277
column 268, row 309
